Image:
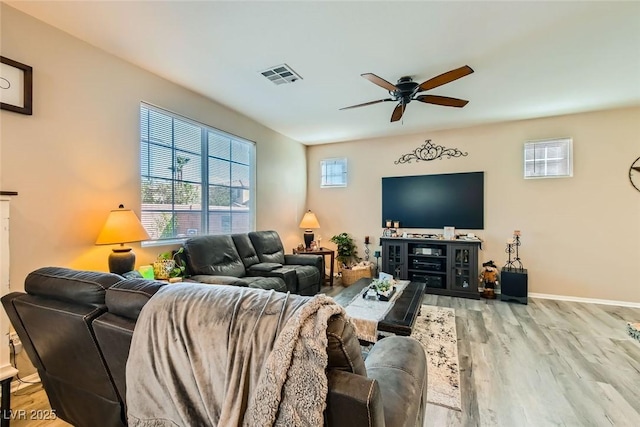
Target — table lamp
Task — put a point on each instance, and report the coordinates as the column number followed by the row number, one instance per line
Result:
column 122, row 226
column 309, row 221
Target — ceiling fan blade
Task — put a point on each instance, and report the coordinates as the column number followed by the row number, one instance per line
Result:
column 445, row 78
column 442, row 100
column 366, row 103
column 379, row 81
column 398, row 112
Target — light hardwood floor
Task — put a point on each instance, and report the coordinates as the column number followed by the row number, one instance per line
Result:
column 30, row 408
column 548, row 363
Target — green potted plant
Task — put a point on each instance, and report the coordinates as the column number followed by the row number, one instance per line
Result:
column 348, row 258
column 167, row 265
column 347, row 250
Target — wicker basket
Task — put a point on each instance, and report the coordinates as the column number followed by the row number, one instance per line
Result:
column 349, row 277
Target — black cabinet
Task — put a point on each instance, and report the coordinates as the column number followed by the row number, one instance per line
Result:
column 514, row 285
column 447, row 267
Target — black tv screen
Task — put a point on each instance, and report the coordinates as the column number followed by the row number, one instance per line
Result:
column 435, row 201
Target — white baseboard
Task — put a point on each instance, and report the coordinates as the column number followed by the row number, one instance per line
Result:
column 17, row 385
column 586, row 300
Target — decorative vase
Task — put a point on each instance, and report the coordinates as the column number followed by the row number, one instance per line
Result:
column 162, row 268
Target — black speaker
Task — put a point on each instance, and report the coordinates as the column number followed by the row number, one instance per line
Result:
column 514, row 285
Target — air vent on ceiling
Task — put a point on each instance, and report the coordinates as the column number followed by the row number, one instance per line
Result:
column 281, row 74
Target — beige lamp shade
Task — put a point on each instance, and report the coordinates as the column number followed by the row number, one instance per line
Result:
column 122, row 226
column 309, row 221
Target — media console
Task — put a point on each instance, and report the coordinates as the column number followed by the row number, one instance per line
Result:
column 446, row 267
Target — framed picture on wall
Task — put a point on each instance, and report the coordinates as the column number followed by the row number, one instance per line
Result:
column 16, row 86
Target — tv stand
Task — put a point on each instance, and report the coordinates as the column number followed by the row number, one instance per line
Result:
column 447, row 267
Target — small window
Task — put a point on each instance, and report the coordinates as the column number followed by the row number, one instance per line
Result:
column 549, row 158
column 334, row 173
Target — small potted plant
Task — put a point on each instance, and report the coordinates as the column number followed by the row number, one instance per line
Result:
column 384, row 288
column 168, row 266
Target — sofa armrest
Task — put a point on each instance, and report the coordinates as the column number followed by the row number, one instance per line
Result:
column 399, row 365
column 353, row 400
column 263, row 267
column 295, row 259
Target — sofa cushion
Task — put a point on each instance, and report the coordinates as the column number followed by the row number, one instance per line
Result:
column 213, row 255
column 343, row 348
column 267, row 283
column 268, row 246
column 64, row 284
column 214, row 280
column 245, row 249
column 127, row 298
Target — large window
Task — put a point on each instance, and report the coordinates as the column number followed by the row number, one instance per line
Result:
column 195, row 179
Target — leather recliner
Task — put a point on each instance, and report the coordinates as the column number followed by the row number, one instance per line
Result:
column 54, row 322
column 77, row 329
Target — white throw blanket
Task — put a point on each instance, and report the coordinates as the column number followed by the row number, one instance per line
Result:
column 228, row 356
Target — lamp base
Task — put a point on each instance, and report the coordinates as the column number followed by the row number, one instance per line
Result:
column 122, row 260
column 308, row 238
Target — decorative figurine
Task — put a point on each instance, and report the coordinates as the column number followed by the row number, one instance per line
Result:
column 489, row 278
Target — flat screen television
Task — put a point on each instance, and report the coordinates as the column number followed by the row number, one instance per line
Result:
column 435, row 201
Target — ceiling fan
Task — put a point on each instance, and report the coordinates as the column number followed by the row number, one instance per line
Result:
column 406, row 90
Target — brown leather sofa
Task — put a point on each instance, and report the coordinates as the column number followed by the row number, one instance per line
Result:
column 77, row 326
column 256, row 260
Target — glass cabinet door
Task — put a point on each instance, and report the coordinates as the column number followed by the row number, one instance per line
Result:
column 463, row 279
column 395, row 261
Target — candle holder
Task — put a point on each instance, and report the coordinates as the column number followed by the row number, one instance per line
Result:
column 366, row 248
column 512, row 249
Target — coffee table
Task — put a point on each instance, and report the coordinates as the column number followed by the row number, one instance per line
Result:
column 402, row 316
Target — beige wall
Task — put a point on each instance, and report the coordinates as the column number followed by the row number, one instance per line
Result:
column 580, row 235
column 77, row 157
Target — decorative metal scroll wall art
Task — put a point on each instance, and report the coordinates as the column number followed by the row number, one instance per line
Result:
column 429, row 151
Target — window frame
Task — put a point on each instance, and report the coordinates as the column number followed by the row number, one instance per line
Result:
column 323, row 176
column 534, row 145
column 205, row 185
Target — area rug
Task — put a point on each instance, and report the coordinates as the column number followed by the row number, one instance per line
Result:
column 633, row 329
column 435, row 328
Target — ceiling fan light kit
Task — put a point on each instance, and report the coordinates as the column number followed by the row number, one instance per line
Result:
column 406, row 90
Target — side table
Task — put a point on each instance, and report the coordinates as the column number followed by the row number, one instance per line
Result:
column 324, row 252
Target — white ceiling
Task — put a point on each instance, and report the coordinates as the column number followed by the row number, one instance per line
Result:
column 531, row 59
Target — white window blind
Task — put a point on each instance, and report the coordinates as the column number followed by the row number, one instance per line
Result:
column 194, row 179
column 550, row 158
column 333, row 173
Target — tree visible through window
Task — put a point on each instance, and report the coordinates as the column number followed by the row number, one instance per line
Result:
column 194, row 179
